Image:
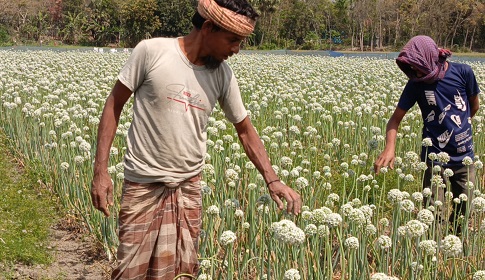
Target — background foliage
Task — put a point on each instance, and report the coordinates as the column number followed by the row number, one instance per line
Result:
column 364, row 25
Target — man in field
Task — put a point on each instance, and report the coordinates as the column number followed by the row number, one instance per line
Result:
column 176, row 83
column 447, row 95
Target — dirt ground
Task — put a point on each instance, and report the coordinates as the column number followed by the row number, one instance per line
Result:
column 76, row 257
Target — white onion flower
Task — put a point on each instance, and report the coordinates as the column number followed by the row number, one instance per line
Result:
column 367, row 210
column 310, row 229
column 402, row 230
column 448, row 172
column 356, row 202
column 323, row 231
column 292, row 274
column 333, row 197
column 422, row 166
column 204, row 276
column 407, row 205
column 239, row 213
column 451, row 246
column 394, row 195
column 301, row 183
column 286, row 231
column 479, row 275
column 443, row 157
column 416, row 267
column 409, row 178
column 79, row 159
column 384, row 222
column 205, row 264
column 231, row 174
column 319, row 215
column 213, row 210
column 120, row 167
column 333, row 220
column 436, row 169
column 357, row 216
column 64, row 166
column 227, row 237
column 384, row 242
column 380, row 276
column 418, row 197
column 370, row 229
column 428, row 247
column 478, row 164
column 286, row 161
column 352, row 243
column 427, row 142
column 427, row 192
column 306, row 215
column 415, row 228
column 346, row 208
column 478, row 204
column 467, row 161
column 426, row 216
column 432, row 156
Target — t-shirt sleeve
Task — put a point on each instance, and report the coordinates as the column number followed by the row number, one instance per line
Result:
column 231, row 102
column 408, row 97
column 133, row 72
column 471, row 82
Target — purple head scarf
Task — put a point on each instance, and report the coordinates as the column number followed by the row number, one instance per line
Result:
column 422, row 53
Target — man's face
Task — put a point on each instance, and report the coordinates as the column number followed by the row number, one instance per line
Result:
column 418, row 73
column 221, row 45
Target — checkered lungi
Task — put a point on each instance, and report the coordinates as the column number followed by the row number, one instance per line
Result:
column 159, row 227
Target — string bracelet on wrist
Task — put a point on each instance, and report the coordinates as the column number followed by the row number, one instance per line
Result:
column 271, row 182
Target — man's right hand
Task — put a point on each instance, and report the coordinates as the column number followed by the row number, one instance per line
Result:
column 386, row 158
column 102, row 192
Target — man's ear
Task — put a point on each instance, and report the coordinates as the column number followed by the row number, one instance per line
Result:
column 207, row 25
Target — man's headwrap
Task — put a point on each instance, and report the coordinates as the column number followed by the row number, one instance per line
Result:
column 422, row 53
column 225, row 18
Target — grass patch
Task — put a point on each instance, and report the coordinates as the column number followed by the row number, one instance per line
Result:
column 27, row 211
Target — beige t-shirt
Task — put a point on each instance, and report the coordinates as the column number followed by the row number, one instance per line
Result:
column 173, row 100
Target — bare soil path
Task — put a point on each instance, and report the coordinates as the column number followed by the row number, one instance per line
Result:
column 75, row 257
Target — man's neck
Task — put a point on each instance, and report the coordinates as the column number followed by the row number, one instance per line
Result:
column 191, row 46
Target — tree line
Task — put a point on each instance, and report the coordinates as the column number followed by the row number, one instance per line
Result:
column 364, row 25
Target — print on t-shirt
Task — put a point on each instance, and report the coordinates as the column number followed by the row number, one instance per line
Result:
column 430, row 116
column 456, row 119
column 443, row 114
column 459, row 102
column 430, row 97
column 444, row 138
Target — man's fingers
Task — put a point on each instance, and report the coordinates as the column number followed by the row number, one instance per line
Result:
column 293, row 203
column 101, row 201
column 278, row 201
column 110, row 196
column 103, row 207
column 292, row 198
column 289, row 205
column 105, row 210
column 297, row 205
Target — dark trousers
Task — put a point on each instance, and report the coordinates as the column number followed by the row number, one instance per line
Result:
column 457, row 184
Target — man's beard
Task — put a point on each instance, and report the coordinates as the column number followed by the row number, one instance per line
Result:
column 211, row 63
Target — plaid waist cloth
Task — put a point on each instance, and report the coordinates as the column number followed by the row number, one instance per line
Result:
column 159, row 228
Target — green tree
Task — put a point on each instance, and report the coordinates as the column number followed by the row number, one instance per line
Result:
column 297, row 22
column 175, row 17
column 103, row 23
column 72, row 32
column 139, row 20
column 266, row 29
